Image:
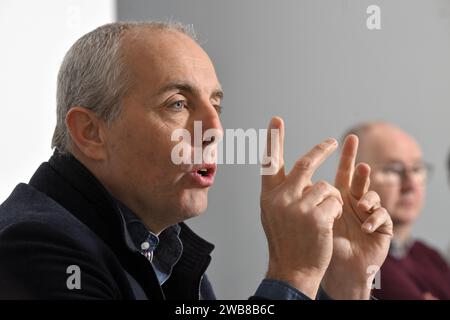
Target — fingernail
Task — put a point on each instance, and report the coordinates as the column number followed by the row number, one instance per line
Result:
column 368, row 227
column 331, row 141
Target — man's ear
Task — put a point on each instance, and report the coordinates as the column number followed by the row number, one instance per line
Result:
column 87, row 132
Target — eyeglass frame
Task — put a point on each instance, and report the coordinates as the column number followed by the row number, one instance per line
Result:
column 429, row 169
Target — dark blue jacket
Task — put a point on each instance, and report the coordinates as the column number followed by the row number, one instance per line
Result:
column 65, row 217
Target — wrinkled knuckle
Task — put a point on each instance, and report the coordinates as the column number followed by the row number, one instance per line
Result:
column 305, row 163
column 303, row 208
column 323, row 220
column 321, row 147
column 337, row 206
column 280, row 201
column 335, row 190
column 337, row 202
column 323, row 186
column 374, row 195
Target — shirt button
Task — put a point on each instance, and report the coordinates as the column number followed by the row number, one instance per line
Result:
column 145, row 245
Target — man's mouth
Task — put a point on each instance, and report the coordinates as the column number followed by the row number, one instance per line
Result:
column 203, row 175
column 204, row 172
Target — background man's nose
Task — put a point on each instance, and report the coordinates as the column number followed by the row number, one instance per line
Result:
column 408, row 183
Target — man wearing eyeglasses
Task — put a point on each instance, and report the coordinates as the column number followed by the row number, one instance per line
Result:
column 399, row 175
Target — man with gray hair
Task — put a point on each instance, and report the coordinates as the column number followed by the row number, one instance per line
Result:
column 104, row 217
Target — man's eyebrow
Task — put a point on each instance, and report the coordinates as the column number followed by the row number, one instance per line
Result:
column 186, row 87
column 397, row 161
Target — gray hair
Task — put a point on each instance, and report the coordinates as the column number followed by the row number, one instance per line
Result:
column 93, row 74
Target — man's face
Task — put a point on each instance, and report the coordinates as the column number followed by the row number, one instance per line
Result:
column 398, row 173
column 174, row 85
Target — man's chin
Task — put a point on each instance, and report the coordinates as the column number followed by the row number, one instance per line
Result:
column 403, row 217
column 195, row 203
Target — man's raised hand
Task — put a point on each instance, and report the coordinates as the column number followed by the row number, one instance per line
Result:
column 297, row 215
column 362, row 235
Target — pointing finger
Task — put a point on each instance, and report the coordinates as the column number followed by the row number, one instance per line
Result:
column 360, row 181
column 272, row 170
column 347, row 162
column 305, row 167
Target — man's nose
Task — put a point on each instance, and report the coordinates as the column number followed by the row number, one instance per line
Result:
column 211, row 125
column 408, row 182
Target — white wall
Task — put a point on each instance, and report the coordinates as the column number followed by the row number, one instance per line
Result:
column 34, row 37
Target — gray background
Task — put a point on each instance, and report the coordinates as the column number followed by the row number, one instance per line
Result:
column 315, row 64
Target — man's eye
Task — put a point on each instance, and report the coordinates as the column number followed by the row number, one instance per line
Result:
column 419, row 169
column 392, row 170
column 218, row 108
column 178, row 105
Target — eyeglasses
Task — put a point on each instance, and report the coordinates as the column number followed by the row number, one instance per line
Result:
column 396, row 173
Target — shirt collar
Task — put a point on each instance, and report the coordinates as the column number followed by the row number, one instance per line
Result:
column 400, row 250
column 162, row 251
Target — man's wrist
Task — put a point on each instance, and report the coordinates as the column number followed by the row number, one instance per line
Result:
column 306, row 282
column 279, row 290
column 346, row 286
